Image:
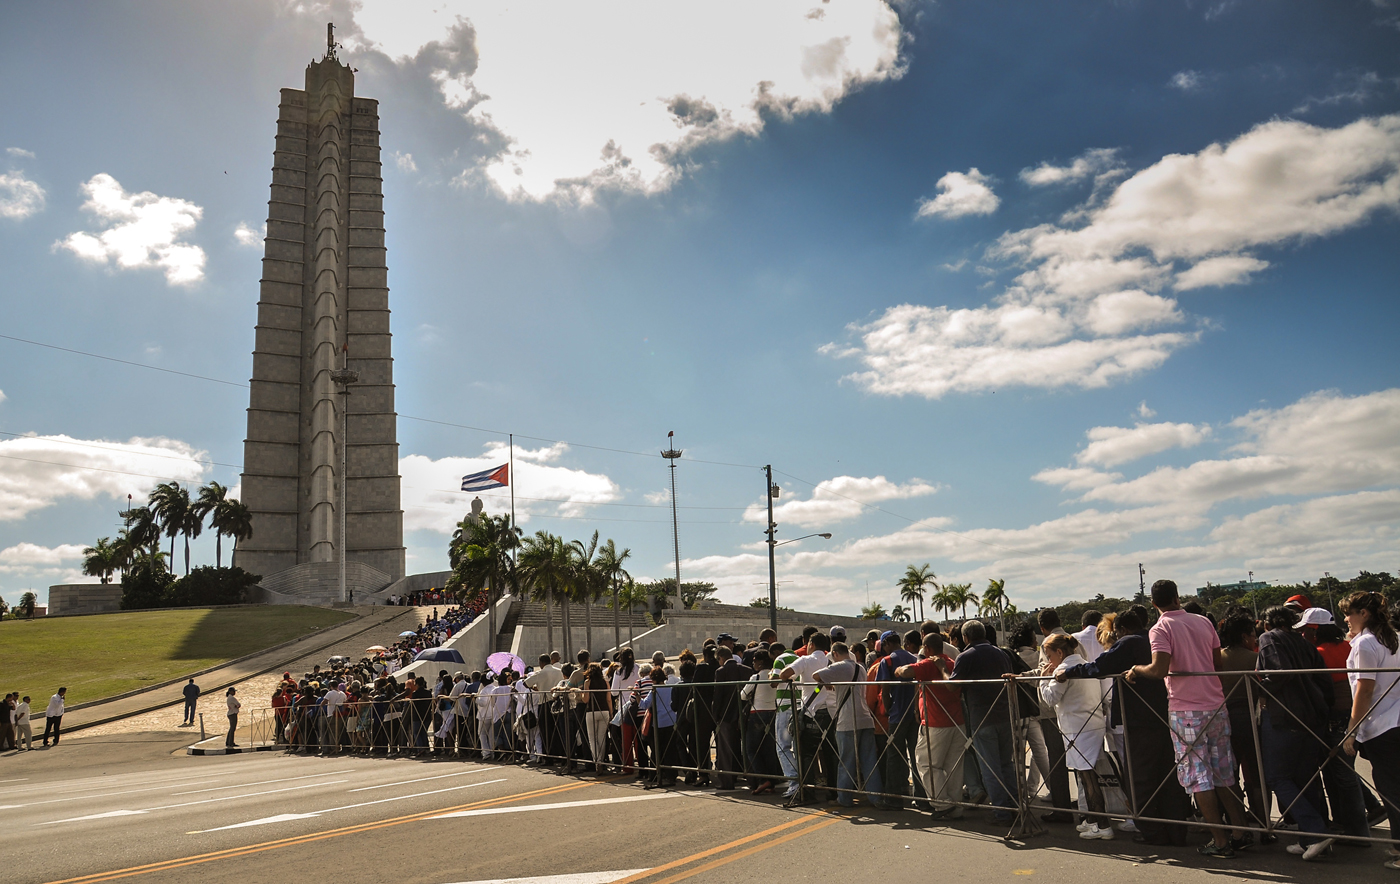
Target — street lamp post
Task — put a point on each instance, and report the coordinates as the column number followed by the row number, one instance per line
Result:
column 772, row 542
column 343, row 378
column 672, row 454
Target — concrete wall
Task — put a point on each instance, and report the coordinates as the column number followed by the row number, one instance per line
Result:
column 689, row 629
column 84, row 598
column 474, row 644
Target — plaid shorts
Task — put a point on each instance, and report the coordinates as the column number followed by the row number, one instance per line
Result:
column 1204, row 759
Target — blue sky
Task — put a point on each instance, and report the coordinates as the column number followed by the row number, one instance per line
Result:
column 1024, row 291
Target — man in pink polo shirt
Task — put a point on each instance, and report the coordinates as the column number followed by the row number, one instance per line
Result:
column 1205, row 766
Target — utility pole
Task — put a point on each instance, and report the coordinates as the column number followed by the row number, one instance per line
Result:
column 772, row 532
column 1142, row 583
column 672, row 454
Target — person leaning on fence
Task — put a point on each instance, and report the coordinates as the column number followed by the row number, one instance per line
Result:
column 901, row 713
column 940, row 750
column 1293, row 727
column 760, row 695
column 1239, row 653
column 1375, row 707
column 1205, row 765
column 1079, row 711
column 858, row 760
column 817, row 740
column 1352, row 804
column 660, row 723
column 1141, row 710
column 989, row 714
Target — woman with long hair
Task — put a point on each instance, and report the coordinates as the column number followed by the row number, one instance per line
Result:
column 624, row 679
column 598, row 709
column 1374, row 729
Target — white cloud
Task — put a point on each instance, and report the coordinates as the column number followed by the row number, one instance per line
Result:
column 1089, row 164
column 656, row 498
column 1221, row 271
column 405, row 162
column 1361, row 88
column 19, row 197
column 248, row 236
column 1145, row 412
column 1078, row 313
column 960, row 194
column 1111, row 446
column 39, row 471
column 430, row 501
column 619, row 94
column 1323, row 443
column 3, row 397
column 1076, row 478
column 142, row 230
column 29, row 556
column 1187, row 81
column 20, row 152
column 837, row 500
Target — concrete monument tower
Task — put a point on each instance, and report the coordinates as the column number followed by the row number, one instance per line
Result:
column 323, row 308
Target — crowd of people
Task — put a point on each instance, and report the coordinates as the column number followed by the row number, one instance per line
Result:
column 1154, row 711
column 16, row 731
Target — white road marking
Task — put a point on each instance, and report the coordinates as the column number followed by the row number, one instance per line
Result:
column 283, row 817
column 578, row 878
column 103, row 795
column 107, row 783
column 16, row 780
column 563, row 805
column 424, row 779
column 329, row 773
column 98, row 816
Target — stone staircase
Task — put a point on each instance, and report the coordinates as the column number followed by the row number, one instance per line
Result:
column 505, row 635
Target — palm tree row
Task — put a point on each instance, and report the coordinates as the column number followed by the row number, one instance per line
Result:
column 489, row 555
column 169, row 512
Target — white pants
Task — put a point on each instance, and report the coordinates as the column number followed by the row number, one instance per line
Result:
column 597, row 724
column 486, row 733
column 24, row 736
column 939, row 757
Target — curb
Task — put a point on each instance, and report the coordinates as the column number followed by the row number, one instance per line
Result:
column 224, row 750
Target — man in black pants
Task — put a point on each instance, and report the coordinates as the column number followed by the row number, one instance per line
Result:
column 53, row 716
column 191, row 699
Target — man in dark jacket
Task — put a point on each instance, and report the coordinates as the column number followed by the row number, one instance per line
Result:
column 191, row 699
column 729, row 677
column 1141, row 709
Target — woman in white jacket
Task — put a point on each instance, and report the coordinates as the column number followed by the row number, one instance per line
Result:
column 1078, row 706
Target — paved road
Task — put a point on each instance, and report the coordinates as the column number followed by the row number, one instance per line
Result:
column 126, row 805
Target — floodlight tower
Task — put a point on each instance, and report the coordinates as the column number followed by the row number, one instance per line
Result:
column 673, row 454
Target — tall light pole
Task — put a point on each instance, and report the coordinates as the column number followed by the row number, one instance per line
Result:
column 1253, row 595
column 772, row 586
column 772, row 531
column 343, row 378
column 1142, row 583
column 672, row 454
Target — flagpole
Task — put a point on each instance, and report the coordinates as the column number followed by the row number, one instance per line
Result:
column 512, row 496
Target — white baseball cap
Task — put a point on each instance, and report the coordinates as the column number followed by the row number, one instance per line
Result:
column 1314, row 617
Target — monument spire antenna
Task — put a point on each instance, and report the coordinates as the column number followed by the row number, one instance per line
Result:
column 330, row 40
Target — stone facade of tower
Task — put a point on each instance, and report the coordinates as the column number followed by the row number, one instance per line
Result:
column 323, row 304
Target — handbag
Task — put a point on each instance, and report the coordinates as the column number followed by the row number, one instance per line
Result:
column 646, row 724
column 529, row 719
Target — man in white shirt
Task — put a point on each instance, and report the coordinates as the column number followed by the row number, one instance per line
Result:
column 335, row 724
column 53, row 716
column 458, row 741
column 24, row 735
column 1088, row 637
column 818, row 736
column 542, row 681
column 492, row 706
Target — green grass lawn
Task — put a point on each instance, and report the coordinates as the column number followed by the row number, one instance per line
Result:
column 107, row 654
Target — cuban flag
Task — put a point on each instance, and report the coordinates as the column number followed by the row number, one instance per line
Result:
column 494, row 478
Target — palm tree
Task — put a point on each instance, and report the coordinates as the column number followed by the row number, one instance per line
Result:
column 214, row 503
column 610, row 569
column 101, row 560
column 544, row 569
column 960, row 595
column 232, row 518
column 142, row 530
column 27, row 603
column 994, row 602
column 913, row 583
column 629, row 593
column 171, row 505
column 943, row 599
column 480, row 557
column 899, row 613
column 587, row 585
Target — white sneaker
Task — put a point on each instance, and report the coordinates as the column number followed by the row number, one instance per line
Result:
column 1317, row 849
column 1082, row 826
column 1094, row 833
column 1127, row 826
column 1296, row 849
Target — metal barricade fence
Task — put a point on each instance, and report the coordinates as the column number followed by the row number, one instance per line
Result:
column 960, row 743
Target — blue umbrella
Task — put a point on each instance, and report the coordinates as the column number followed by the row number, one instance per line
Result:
column 406, row 634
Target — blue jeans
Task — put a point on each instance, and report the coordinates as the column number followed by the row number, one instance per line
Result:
column 783, row 726
column 992, row 742
column 858, row 759
column 1290, row 758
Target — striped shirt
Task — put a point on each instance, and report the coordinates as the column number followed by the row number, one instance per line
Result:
column 786, row 689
